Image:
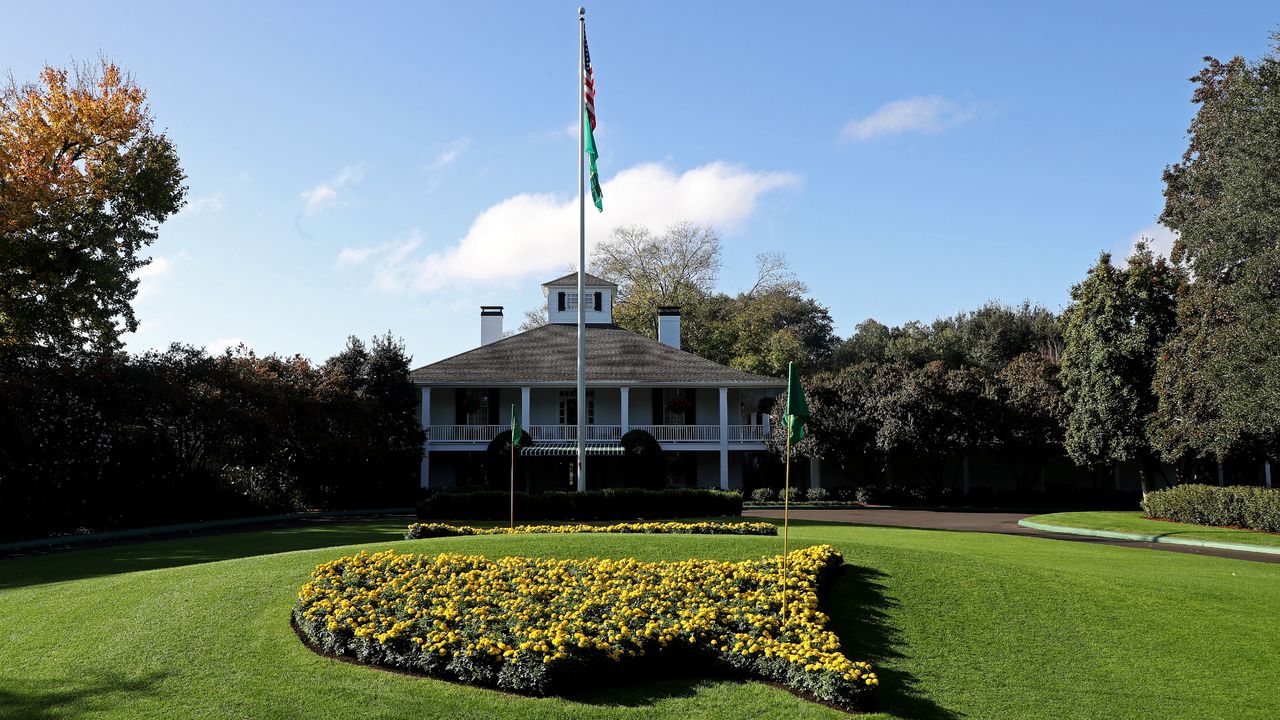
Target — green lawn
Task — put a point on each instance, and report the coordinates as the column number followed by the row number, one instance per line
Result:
column 960, row 626
column 1132, row 521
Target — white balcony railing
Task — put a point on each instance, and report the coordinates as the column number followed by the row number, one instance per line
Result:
column 600, row 433
column 681, row 433
column 465, row 433
column 595, row 433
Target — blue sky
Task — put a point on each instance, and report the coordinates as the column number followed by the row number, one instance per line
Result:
column 355, row 168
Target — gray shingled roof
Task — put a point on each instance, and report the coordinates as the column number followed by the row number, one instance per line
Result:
column 571, row 280
column 548, row 354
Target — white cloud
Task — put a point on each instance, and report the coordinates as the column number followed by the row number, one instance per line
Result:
column 918, row 114
column 151, row 276
column 326, row 193
column 446, row 157
column 1159, row 237
column 535, row 234
column 448, row 154
column 205, row 205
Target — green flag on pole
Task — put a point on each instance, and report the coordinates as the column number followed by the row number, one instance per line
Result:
column 797, row 408
column 597, row 195
column 517, row 435
column 589, row 119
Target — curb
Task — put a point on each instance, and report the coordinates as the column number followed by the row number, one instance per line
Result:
column 1113, row 535
column 186, row 527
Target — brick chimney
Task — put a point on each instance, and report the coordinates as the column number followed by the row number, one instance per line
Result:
column 490, row 323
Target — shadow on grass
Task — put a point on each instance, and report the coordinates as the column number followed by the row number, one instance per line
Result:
column 80, row 563
column 88, row 693
column 640, row 691
column 859, row 607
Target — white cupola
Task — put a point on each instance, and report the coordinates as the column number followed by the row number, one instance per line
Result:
column 562, row 299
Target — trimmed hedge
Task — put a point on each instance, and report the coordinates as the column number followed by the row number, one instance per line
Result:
column 613, row 504
column 1241, row 506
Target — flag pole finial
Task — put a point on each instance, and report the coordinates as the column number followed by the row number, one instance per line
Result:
column 582, row 11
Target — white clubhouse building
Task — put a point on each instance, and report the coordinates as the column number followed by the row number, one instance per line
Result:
column 708, row 418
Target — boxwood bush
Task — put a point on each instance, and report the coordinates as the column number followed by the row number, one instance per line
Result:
column 1236, row 505
column 612, row 504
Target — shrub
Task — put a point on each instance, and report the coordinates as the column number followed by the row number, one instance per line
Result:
column 792, row 494
column 1238, row 506
column 645, row 466
column 538, row 626
column 418, row 531
column 816, row 494
column 763, row 495
column 612, row 504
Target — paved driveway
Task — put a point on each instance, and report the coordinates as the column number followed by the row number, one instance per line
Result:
column 1005, row 523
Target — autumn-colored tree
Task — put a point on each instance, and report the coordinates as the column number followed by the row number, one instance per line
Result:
column 85, row 182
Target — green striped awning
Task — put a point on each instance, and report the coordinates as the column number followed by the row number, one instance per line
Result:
column 592, row 449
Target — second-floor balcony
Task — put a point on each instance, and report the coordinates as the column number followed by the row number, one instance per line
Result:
column 665, row 434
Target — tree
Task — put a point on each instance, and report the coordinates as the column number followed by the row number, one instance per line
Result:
column 85, row 182
column 1113, row 330
column 1219, row 380
column 989, row 337
column 759, row 331
column 843, row 423
column 1032, row 415
column 678, row 267
column 770, row 329
column 935, row 414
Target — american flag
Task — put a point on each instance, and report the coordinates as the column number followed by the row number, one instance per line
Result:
column 588, row 82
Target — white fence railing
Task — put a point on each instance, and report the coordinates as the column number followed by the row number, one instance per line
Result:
column 600, row 433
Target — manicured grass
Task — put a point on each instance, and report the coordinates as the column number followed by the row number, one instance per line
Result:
column 960, row 626
column 1132, row 521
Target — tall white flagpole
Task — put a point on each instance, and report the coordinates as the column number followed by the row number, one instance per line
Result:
column 582, row 253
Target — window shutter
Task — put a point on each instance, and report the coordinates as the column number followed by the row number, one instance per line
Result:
column 597, row 302
column 657, row 406
column 459, row 415
column 560, row 302
column 691, row 415
column 493, row 406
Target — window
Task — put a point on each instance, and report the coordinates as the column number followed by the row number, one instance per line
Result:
column 569, row 407
column 477, row 407
column 571, row 301
column 677, row 406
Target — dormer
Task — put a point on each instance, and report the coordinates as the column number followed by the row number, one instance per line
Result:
column 562, row 299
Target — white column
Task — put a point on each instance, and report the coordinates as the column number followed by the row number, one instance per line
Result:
column 425, row 479
column 1267, row 469
column 815, row 473
column 626, row 408
column 724, row 438
column 525, row 419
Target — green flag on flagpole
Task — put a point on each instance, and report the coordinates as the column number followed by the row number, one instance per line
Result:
column 597, row 195
column 517, row 435
column 797, row 408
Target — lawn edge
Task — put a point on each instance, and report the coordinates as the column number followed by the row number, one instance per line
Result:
column 161, row 530
column 1138, row 537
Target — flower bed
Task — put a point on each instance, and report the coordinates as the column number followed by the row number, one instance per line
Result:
column 539, row 626
column 418, row 531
